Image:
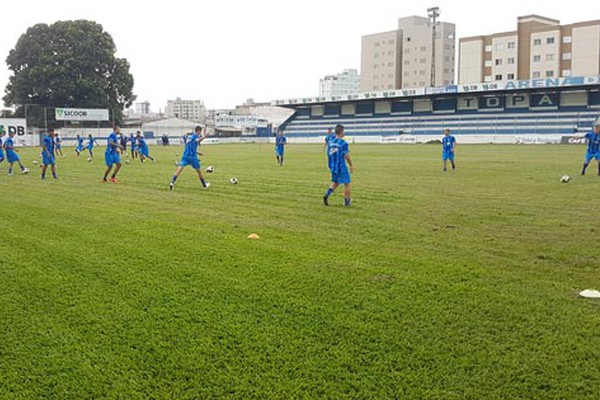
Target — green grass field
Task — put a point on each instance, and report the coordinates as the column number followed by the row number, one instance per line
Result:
column 431, row 286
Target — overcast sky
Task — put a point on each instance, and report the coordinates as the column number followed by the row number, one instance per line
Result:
column 226, row 51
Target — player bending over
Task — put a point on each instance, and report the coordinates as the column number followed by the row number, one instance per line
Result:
column 190, row 157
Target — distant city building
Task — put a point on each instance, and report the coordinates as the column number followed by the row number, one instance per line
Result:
column 348, row 82
column 403, row 58
column 192, row 110
column 539, row 48
column 142, row 108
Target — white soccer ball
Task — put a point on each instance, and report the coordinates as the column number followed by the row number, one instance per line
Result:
column 233, row 180
column 565, row 178
column 127, row 161
column 210, row 169
column 35, row 162
column 89, row 159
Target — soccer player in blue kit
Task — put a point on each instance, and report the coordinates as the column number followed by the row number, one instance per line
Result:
column 112, row 156
column 448, row 146
column 11, row 154
column 79, row 146
column 133, row 146
column 328, row 138
column 48, row 144
column 339, row 154
column 90, row 146
column 143, row 148
column 593, row 149
column 1, row 150
column 58, row 145
column 280, row 142
column 190, row 157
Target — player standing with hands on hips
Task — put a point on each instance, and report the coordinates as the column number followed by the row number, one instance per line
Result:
column 339, row 154
column 448, row 146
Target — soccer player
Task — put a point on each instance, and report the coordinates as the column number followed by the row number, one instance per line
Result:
column 79, row 147
column 133, row 146
column 1, row 150
column 143, row 148
column 190, row 157
column 123, row 141
column 11, row 154
column 593, row 149
column 111, row 155
column 448, row 146
column 90, row 146
column 280, row 142
column 58, row 145
column 339, row 154
column 48, row 153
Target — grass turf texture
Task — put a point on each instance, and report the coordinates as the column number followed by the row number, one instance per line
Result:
column 431, row 286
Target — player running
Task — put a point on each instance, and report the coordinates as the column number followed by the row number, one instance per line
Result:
column 11, row 154
column 133, row 146
column 448, row 146
column 1, row 150
column 593, row 149
column 339, row 154
column 143, row 148
column 190, row 157
column 79, row 146
column 48, row 144
column 280, row 142
column 90, row 146
column 112, row 156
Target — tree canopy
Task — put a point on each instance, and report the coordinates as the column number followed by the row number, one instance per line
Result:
column 68, row 64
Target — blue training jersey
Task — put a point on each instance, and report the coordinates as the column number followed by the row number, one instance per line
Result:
column 593, row 142
column 49, row 145
column 8, row 143
column 80, row 141
column 57, row 139
column 338, row 148
column 329, row 138
column 448, row 143
column 280, row 141
column 112, row 143
column 191, row 146
column 142, row 142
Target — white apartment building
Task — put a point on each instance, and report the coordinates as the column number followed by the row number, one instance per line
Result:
column 348, row 82
column 191, row 110
column 539, row 48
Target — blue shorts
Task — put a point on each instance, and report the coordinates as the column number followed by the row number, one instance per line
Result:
column 1, row 153
column 111, row 159
column 341, row 177
column 144, row 151
column 589, row 155
column 12, row 156
column 58, row 146
column 47, row 160
column 79, row 148
column 448, row 156
column 279, row 151
column 90, row 148
column 193, row 161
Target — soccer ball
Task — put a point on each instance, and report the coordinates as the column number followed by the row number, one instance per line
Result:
column 89, row 159
column 127, row 161
column 565, row 178
column 233, row 180
column 210, row 169
column 34, row 162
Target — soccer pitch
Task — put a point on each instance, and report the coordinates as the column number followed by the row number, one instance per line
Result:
column 431, row 286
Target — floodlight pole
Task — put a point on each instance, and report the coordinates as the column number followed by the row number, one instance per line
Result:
column 433, row 13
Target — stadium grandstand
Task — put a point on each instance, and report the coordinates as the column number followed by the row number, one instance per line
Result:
column 502, row 112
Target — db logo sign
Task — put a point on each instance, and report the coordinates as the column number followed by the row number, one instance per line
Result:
column 13, row 127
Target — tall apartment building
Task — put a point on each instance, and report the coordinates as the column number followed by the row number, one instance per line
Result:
column 539, row 48
column 348, row 82
column 192, row 110
column 142, row 108
column 403, row 58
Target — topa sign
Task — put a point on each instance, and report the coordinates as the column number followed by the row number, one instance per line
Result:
column 81, row 114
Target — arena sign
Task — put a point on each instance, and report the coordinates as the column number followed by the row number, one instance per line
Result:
column 18, row 126
column 81, row 114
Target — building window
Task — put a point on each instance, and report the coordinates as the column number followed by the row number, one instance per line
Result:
column 406, row 73
column 422, row 72
column 391, row 42
column 407, row 39
column 536, row 74
column 537, row 58
column 446, row 58
column 407, row 51
column 487, row 78
column 499, row 46
column 567, row 39
column 376, row 44
column 511, row 45
column 488, row 63
column 422, row 83
column 423, row 48
column 510, row 60
column 510, row 76
column 488, row 49
column 498, row 61
column 498, row 77
column 446, row 70
column 566, row 56
column 549, row 57
column 549, row 74
column 422, row 60
column 537, row 42
column 406, row 62
column 550, row 40
column 390, row 64
column 566, row 72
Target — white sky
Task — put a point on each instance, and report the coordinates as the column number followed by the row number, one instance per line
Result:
column 226, row 51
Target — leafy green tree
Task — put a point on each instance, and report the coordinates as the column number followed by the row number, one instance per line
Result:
column 68, row 64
